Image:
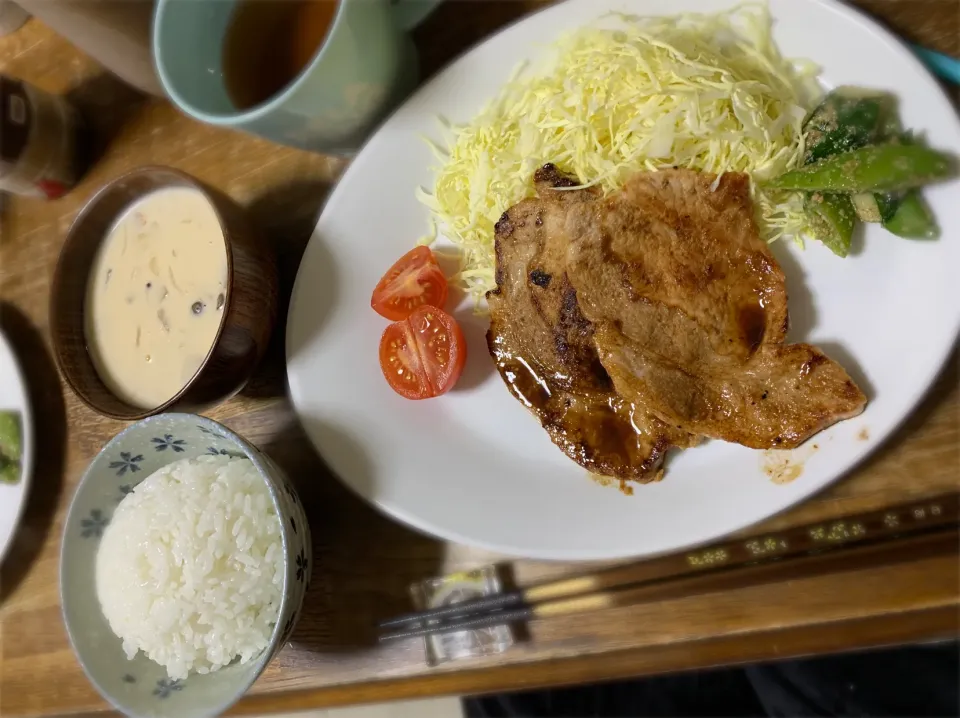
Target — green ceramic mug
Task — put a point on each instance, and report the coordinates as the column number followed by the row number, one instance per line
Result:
column 365, row 65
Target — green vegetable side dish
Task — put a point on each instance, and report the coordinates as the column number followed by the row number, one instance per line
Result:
column 878, row 168
column 860, row 164
column 10, row 447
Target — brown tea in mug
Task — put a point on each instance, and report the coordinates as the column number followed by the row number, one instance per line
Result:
column 269, row 42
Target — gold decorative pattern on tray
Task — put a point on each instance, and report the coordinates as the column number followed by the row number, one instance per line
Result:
column 710, row 557
column 818, row 537
column 766, row 546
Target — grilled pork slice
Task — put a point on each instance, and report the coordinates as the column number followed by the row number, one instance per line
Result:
column 689, row 309
column 543, row 346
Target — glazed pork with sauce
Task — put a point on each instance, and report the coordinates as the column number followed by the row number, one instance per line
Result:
column 647, row 319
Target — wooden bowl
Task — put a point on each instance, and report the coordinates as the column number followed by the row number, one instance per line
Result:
column 249, row 311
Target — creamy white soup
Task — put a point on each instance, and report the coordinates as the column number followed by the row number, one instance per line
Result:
column 155, row 296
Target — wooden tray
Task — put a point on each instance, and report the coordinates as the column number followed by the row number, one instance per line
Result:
column 365, row 562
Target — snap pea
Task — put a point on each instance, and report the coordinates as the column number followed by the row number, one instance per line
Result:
column 831, row 218
column 913, row 219
column 879, row 168
column 887, row 202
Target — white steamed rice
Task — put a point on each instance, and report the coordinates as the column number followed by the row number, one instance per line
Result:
column 190, row 568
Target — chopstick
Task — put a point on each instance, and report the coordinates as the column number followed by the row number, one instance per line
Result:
column 711, row 582
column 641, row 581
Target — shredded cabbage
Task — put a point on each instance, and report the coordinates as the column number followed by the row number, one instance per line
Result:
column 708, row 92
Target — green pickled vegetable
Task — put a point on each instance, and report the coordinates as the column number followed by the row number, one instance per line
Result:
column 883, row 168
column 9, row 473
column 832, row 219
column 913, row 219
column 847, row 119
column 10, row 447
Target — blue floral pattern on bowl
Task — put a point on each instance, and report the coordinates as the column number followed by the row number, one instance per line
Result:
column 127, row 461
column 94, row 525
column 165, row 687
column 140, row 686
column 167, row 441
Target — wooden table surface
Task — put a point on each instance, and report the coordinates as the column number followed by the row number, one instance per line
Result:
column 365, row 562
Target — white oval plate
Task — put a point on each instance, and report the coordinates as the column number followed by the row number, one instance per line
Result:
column 474, row 466
column 14, row 395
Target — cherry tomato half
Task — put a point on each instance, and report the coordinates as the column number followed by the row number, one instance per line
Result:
column 423, row 355
column 413, row 281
